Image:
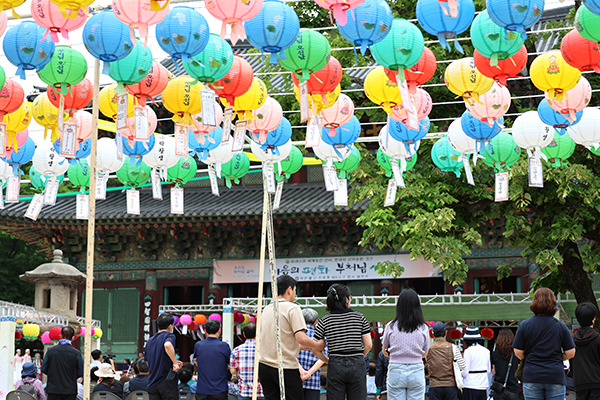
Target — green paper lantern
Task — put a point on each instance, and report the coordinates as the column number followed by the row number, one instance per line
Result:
column 502, row 152
column 493, row 41
column 289, row 165
column 79, row 174
column 133, row 175
column 39, row 181
column 183, row 171
column 587, row 24
column 561, row 148
column 401, row 48
column 349, row 164
column 213, row 63
column 309, row 53
column 133, row 68
column 236, row 168
column 2, row 77
column 67, row 67
column 445, row 157
column 384, row 161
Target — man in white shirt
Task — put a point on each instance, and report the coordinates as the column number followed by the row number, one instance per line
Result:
column 477, row 366
column 96, row 359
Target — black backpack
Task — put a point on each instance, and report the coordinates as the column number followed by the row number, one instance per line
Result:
column 28, row 388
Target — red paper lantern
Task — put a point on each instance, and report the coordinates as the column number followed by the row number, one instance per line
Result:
column 373, row 334
column 79, row 96
column 487, row 333
column 55, row 333
column 506, row 68
column 431, row 333
column 580, row 53
column 152, row 85
column 18, row 335
column 237, row 81
column 419, row 73
column 12, row 97
column 455, row 334
column 324, row 80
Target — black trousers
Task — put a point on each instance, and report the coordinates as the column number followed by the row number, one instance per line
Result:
column 269, row 380
column 220, row 396
column 346, row 378
column 443, row 393
column 166, row 390
column 312, row 394
column 53, row 396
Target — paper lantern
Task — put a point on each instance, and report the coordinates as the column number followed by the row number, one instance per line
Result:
column 587, row 24
column 265, row 119
column 21, row 156
column 84, row 150
column 71, row 8
column 55, row 333
column 592, row 5
column 46, row 341
column 220, row 155
column 108, row 102
column 381, row 90
column 531, row 133
column 183, row 33
column 151, row 85
column 580, row 53
column 181, row 173
column 445, row 157
column 176, row 320
column 205, row 142
column 236, row 82
column 198, row 127
column 492, row 105
column 587, row 131
column 339, row 8
column 551, row 73
column 345, row 135
column 330, row 154
column 502, row 153
column 515, row 17
column 480, row 131
column 385, row 162
column 488, row 333
column 151, row 122
column 138, row 15
column 162, row 156
column 97, row 334
column 249, row 101
column 555, row 118
column 133, row 68
column 395, row 149
column 38, row 181
column 234, row 13
column 21, row 138
column 559, row 150
column 212, row 63
column 106, row 38
column 573, row 101
column 3, row 22
column 422, row 105
column 419, row 73
column 507, row 68
column 215, row 316
column 320, row 102
column 66, row 68
column 273, row 29
column 11, row 5
column 78, row 96
column 289, row 165
column 16, row 121
column 459, row 140
column 278, row 137
column 324, row 80
column 271, row 155
column 182, row 98
column 79, row 174
column 133, row 174
column 235, row 169
column 25, row 47
column 492, row 41
column 136, row 150
column 436, row 20
column 409, row 136
column 463, row 79
column 199, row 319
column 47, row 161
column 11, row 97
column 106, row 156
column 85, row 127
column 309, row 53
column 46, row 115
column 47, row 15
column 339, row 114
column 401, row 48
column 371, row 23
column 348, row 165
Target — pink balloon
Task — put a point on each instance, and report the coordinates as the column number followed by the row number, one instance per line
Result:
column 215, row 316
column 492, row 105
column 186, row 319
column 138, row 15
column 573, row 101
column 47, row 15
column 422, row 106
column 338, row 114
column 152, row 122
column 21, row 139
column 199, row 127
column 266, row 119
column 46, row 338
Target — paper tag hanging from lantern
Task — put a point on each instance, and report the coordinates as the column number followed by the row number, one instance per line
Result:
column 304, row 110
column 227, row 116
column 390, row 195
column 51, row 191
column 68, row 140
column 209, row 115
column 397, row 174
column 239, row 136
column 278, row 193
column 269, row 171
column 156, row 186
column 330, row 176
column 35, row 207
column 468, row 171
column 501, row 187
column 101, row 187
column 340, row 196
column 13, row 189
column 2, row 139
column 133, row 202
column 82, row 206
column 214, row 184
column 313, row 132
column 1, row 199
column 536, row 172
column 176, row 200
column 181, row 140
column 119, row 139
column 141, row 124
column 121, row 111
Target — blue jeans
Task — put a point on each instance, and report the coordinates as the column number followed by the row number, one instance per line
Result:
column 406, row 381
column 541, row 391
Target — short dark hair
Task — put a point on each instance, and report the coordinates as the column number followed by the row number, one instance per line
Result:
column 184, row 375
column 249, row 330
column 337, row 297
column 142, row 365
column 439, row 333
column 134, row 366
column 472, row 342
column 543, row 302
column 284, row 282
column 212, row 326
column 585, row 313
column 96, row 354
column 164, row 321
column 67, row 332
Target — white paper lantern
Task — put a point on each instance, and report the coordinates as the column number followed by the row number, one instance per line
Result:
column 220, row 155
column 5, row 171
column 394, row 148
column 327, row 153
column 587, row 131
column 531, row 133
column 162, row 156
column 47, row 161
column 267, row 155
column 459, row 140
column 106, row 156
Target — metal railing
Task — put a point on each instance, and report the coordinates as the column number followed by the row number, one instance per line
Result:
column 30, row 314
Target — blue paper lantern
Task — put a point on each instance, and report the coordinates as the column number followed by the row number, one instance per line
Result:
column 277, row 137
column 515, row 16
column 434, row 20
column 554, row 118
column 138, row 149
column 85, row 149
column 593, row 6
column 107, row 38
column 401, row 132
column 211, row 141
column 25, row 47
column 273, row 29
column 21, row 157
column 372, row 22
column 480, row 131
column 183, row 33
column 344, row 135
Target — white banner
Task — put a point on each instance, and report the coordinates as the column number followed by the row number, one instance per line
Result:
column 7, row 355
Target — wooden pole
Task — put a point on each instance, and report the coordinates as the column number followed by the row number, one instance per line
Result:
column 89, row 283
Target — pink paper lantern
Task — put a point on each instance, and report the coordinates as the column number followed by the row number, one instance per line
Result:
column 253, row 319
column 3, row 22
column 47, row 15
column 338, row 114
column 82, row 332
column 21, row 139
column 46, row 338
column 138, row 15
column 215, row 316
column 234, row 13
column 339, row 8
column 492, row 105
column 186, row 320
column 422, row 105
column 85, row 128
column 266, row 119
column 152, row 123
column 573, row 101
column 198, row 127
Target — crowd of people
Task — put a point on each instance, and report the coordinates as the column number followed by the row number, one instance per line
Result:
column 414, row 359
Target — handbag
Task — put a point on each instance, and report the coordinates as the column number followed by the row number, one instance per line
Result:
column 457, row 375
column 498, row 387
column 519, row 371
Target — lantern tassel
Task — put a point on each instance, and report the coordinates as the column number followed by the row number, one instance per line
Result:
column 106, row 68
column 155, row 5
column 340, row 14
column 143, row 28
column 20, row 72
column 228, row 182
column 132, row 35
column 364, row 45
column 176, row 64
column 494, row 59
column 282, row 55
column 272, row 58
column 522, row 31
column 218, row 169
column 458, row 47
column 571, row 117
column 64, row 33
column 443, row 42
column 356, row 54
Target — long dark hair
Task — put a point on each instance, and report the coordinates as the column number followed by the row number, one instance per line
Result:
column 337, row 296
column 409, row 315
column 504, row 343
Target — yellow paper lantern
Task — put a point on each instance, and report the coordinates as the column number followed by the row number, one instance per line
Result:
column 11, row 5
column 70, row 8
column 382, row 90
column 551, row 73
column 249, row 101
column 182, row 98
column 97, row 333
column 321, row 102
column 108, row 102
column 45, row 114
column 463, row 79
column 17, row 122
column 31, row 331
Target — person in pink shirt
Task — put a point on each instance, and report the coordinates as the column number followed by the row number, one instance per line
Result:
column 28, row 378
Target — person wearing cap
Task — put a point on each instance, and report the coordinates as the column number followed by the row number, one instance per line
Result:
column 477, row 366
column 107, row 382
column 28, row 378
column 442, row 385
column 62, row 366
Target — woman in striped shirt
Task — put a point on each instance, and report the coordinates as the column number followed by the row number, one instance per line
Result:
column 349, row 340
